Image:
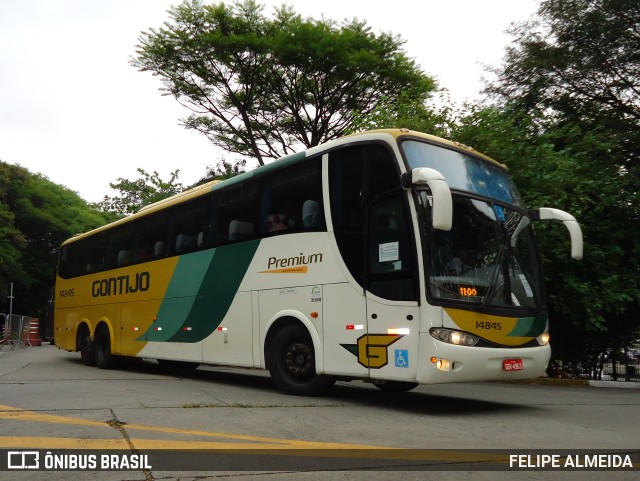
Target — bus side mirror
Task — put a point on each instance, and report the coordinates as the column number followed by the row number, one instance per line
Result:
column 547, row 213
column 442, row 208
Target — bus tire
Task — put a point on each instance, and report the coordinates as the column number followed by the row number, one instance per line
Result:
column 87, row 351
column 396, row 386
column 291, row 362
column 102, row 347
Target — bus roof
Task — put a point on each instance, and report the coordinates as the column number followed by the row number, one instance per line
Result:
column 280, row 163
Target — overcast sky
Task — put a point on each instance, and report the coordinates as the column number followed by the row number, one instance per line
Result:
column 75, row 110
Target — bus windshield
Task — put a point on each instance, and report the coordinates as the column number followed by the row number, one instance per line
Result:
column 463, row 171
column 488, row 258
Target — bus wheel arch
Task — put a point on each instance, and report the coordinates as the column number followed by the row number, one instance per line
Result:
column 85, row 344
column 290, row 356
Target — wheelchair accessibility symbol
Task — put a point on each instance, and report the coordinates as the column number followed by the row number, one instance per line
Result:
column 402, row 357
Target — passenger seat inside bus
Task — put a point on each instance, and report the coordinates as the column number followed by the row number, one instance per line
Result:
column 240, row 230
column 183, row 243
column 311, row 213
column 124, row 258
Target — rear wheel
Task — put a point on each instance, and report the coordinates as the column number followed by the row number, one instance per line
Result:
column 291, row 361
column 104, row 358
column 87, row 353
column 85, row 346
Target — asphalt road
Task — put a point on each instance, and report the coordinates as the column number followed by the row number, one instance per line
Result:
column 49, row 400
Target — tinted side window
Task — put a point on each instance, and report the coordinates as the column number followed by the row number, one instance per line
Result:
column 292, row 200
column 120, row 249
column 235, row 213
column 188, row 230
column 356, row 174
column 152, row 242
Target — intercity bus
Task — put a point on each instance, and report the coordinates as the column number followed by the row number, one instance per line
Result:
column 389, row 256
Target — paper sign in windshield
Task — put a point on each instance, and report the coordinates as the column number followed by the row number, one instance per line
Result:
column 388, row 252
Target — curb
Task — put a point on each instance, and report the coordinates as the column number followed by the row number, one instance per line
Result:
column 547, row 381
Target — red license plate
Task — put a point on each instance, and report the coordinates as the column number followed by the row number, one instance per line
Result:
column 512, row 365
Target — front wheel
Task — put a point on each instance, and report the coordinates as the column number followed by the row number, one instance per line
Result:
column 291, row 362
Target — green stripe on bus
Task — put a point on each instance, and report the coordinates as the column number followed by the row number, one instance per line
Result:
column 218, row 288
column 179, row 297
column 529, row 326
column 200, row 293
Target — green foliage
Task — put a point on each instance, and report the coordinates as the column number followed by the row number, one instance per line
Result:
column 407, row 111
column 135, row 194
column 592, row 301
column 567, row 123
column 579, row 59
column 36, row 216
column 263, row 87
column 223, row 170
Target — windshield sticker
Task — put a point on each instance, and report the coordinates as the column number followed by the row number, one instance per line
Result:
column 388, row 252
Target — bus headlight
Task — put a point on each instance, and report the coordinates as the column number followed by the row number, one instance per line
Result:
column 543, row 339
column 452, row 336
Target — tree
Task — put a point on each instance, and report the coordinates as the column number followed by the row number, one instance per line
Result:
column 135, row 194
column 580, row 60
column 566, row 119
column 592, row 303
column 262, row 87
column 412, row 113
column 223, row 170
column 36, row 216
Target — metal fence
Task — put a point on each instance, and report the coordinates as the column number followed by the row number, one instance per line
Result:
column 621, row 366
column 15, row 330
column 613, row 365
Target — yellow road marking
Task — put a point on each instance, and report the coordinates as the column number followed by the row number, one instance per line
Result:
column 254, row 444
column 12, row 413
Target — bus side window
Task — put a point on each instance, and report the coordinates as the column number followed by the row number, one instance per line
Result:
column 356, row 173
column 120, row 244
column 233, row 214
column 284, row 195
column 150, row 239
column 189, row 221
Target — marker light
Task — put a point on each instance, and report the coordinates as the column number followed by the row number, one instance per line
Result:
column 451, row 336
column 543, row 339
column 441, row 364
column 399, row 330
column 354, row 327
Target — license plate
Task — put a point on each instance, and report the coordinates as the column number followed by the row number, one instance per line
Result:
column 512, row 365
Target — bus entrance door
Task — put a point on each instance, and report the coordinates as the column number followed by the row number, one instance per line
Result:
column 392, row 339
column 392, row 308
